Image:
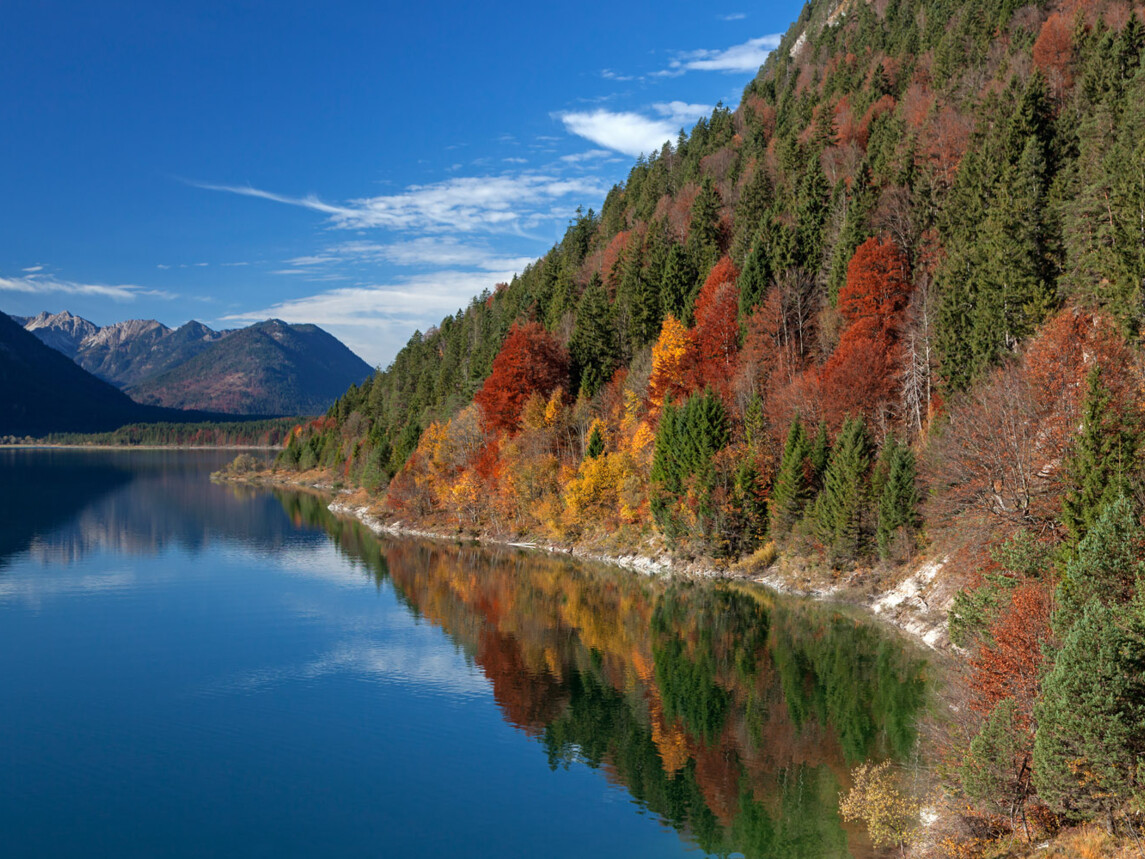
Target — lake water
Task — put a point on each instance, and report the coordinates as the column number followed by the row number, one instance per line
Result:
column 191, row 669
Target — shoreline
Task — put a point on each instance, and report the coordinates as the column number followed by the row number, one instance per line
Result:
column 50, row 446
column 909, row 606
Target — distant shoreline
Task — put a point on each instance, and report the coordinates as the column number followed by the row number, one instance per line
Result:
column 52, row 446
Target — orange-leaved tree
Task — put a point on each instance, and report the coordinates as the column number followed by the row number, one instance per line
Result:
column 531, row 361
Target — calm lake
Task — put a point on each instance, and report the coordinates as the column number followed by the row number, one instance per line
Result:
column 191, row 669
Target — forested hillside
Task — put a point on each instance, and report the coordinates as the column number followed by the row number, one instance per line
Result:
column 889, row 305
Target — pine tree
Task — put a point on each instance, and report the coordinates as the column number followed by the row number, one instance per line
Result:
column 755, row 278
column 791, row 490
column 1105, row 566
column 1091, row 724
column 818, row 456
column 751, row 507
column 1101, row 461
column 898, row 501
column 595, row 445
column 593, row 346
column 704, row 231
column 996, row 769
column 678, row 281
column 842, row 513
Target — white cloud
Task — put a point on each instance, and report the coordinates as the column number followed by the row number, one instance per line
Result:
column 746, row 57
column 32, row 269
column 375, row 320
column 426, row 251
column 681, row 112
column 627, row 132
column 505, row 203
column 733, row 16
column 36, row 284
column 610, row 75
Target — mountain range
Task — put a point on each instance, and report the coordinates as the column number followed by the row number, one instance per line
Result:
column 270, row 368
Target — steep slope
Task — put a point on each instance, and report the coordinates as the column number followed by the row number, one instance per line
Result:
column 62, row 331
column 129, row 352
column 268, row 368
column 43, row 391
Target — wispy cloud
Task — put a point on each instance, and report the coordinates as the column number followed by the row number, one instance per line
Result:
column 610, row 75
column 32, row 269
column 589, row 155
column 505, row 203
column 746, row 57
column 733, row 16
column 423, row 252
column 37, row 284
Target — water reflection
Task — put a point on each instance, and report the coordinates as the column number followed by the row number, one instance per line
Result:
column 62, row 505
column 730, row 713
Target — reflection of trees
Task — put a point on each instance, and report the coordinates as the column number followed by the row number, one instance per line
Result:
column 41, row 494
column 65, row 504
column 727, row 711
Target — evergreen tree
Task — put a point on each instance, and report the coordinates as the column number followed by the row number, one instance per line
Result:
column 755, row 278
column 678, row 281
column 841, row 515
column 593, row 346
column 898, row 501
column 750, row 211
column 643, row 299
column 751, row 507
column 1102, row 459
column 996, row 769
column 792, row 489
column 595, row 445
column 818, row 456
column 688, row 439
column 1091, row 724
column 1105, row 566
column 704, row 232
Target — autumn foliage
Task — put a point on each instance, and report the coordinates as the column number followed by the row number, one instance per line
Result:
column 530, row 362
column 715, row 338
column 860, row 376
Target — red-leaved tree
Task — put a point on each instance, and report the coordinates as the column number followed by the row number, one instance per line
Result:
column 861, row 376
column 531, row 361
column 715, row 339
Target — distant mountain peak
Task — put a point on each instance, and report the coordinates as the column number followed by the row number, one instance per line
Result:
column 63, row 331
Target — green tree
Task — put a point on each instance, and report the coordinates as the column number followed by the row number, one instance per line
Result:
column 593, row 346
column 595, row 445
column 1102, row 459
column 1091, row 716
column 704, row 231
column 898, row 502
column 996, row 770
column 792, row 489
column 1106, row 565
column 678, row 282
column 842, row 512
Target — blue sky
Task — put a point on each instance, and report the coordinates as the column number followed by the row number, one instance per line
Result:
column 367, row 167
